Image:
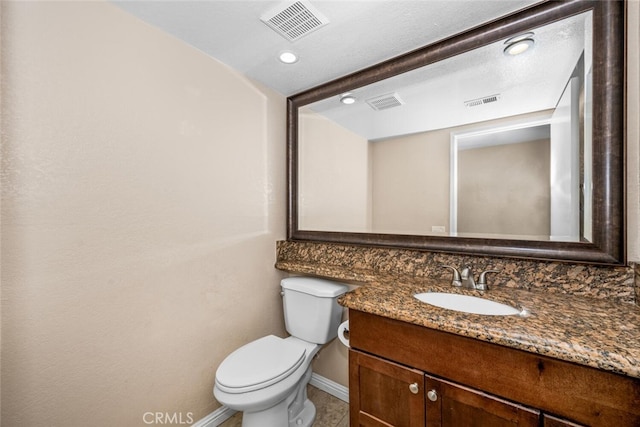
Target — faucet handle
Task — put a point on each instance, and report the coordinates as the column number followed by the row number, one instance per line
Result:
column 456, row 280
column 482, row 281
column 468, row 281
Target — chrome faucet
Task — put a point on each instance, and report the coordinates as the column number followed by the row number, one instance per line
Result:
column 456, row 280
column 482, row 280
column 465, row 278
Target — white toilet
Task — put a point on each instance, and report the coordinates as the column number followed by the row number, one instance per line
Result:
column 267, row 378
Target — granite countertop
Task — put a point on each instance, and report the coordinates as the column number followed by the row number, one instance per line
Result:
column 602, row 334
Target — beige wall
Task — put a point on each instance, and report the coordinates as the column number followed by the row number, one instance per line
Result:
column 411, row 180
column 139, row 216
column 410, row 183
column 518, row 201
column 334, row 188
column 142, row 195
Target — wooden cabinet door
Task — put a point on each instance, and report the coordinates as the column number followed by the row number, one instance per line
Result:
column 452, row 405
column 382, row 393
column 551, row 421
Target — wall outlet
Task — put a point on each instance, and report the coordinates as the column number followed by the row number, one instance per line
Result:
column 438, row 228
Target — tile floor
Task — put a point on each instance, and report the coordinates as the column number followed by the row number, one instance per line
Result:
column 331, row 411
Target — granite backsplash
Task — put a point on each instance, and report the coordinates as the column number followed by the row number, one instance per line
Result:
column 637, row 267
column 363, row 264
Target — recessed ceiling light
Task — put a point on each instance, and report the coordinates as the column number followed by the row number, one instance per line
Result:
column 519, row 37
column 288, row 57
column 347, row 99
column 518, row 44
column 518, row 47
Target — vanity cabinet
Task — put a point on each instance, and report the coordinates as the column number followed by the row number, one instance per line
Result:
column 449, row 404
column 389, row 394
column 401, row 374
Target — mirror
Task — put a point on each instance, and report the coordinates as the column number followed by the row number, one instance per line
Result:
column 464, row 147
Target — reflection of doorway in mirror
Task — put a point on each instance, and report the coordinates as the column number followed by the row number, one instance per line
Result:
column 504, row 190
column 524, row 180
column 534, row 191
column 500, row 179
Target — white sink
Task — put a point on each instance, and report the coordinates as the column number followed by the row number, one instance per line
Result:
column 467, row 304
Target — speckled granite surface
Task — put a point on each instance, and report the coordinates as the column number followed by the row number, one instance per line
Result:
column 364, row 264
column 578, row 313
column 637, row 267
column 596, row 333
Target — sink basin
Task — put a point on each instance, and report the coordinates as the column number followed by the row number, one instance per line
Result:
column 467, row 303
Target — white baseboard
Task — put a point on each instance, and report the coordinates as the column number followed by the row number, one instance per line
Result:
column 221, row 415
column 215, row 418
column 331, row 387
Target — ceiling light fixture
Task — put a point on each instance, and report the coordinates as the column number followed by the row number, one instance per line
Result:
column 518, row 44
column 347, row 99
column 288, row 57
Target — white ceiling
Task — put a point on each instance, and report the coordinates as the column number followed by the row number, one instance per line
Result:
column 435, row 96
column 360, row 33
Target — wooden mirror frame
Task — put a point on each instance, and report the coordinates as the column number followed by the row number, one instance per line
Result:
column 608, row 246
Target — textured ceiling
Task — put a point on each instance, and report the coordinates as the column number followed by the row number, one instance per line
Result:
column 437, row 96
column 360, row 33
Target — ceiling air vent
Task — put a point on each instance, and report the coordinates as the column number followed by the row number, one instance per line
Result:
column 294, row 20
column 482, row 101
column 384, row 102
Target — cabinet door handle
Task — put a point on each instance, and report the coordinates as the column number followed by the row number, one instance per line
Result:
column 413, row 388
column 432, row 395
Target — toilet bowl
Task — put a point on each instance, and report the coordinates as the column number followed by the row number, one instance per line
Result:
column 266, row 379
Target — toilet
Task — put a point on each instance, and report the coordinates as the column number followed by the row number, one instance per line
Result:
column 267, row 378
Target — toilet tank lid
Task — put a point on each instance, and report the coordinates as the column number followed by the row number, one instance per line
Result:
column 313, row 286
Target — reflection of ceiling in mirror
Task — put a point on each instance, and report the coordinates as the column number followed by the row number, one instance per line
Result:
column 436, row 96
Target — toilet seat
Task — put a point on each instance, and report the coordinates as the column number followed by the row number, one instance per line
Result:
column 259, row 364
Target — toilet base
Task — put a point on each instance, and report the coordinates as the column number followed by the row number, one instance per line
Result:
column 277, row 416
column 274, row 416
column 295, row 411
column 302, row 412
column 306, row 417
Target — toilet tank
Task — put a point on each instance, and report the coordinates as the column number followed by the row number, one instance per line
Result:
column 311, row 309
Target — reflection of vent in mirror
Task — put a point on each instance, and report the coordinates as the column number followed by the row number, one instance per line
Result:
column 293, row 21
column 385, row 102
column 483, row 100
